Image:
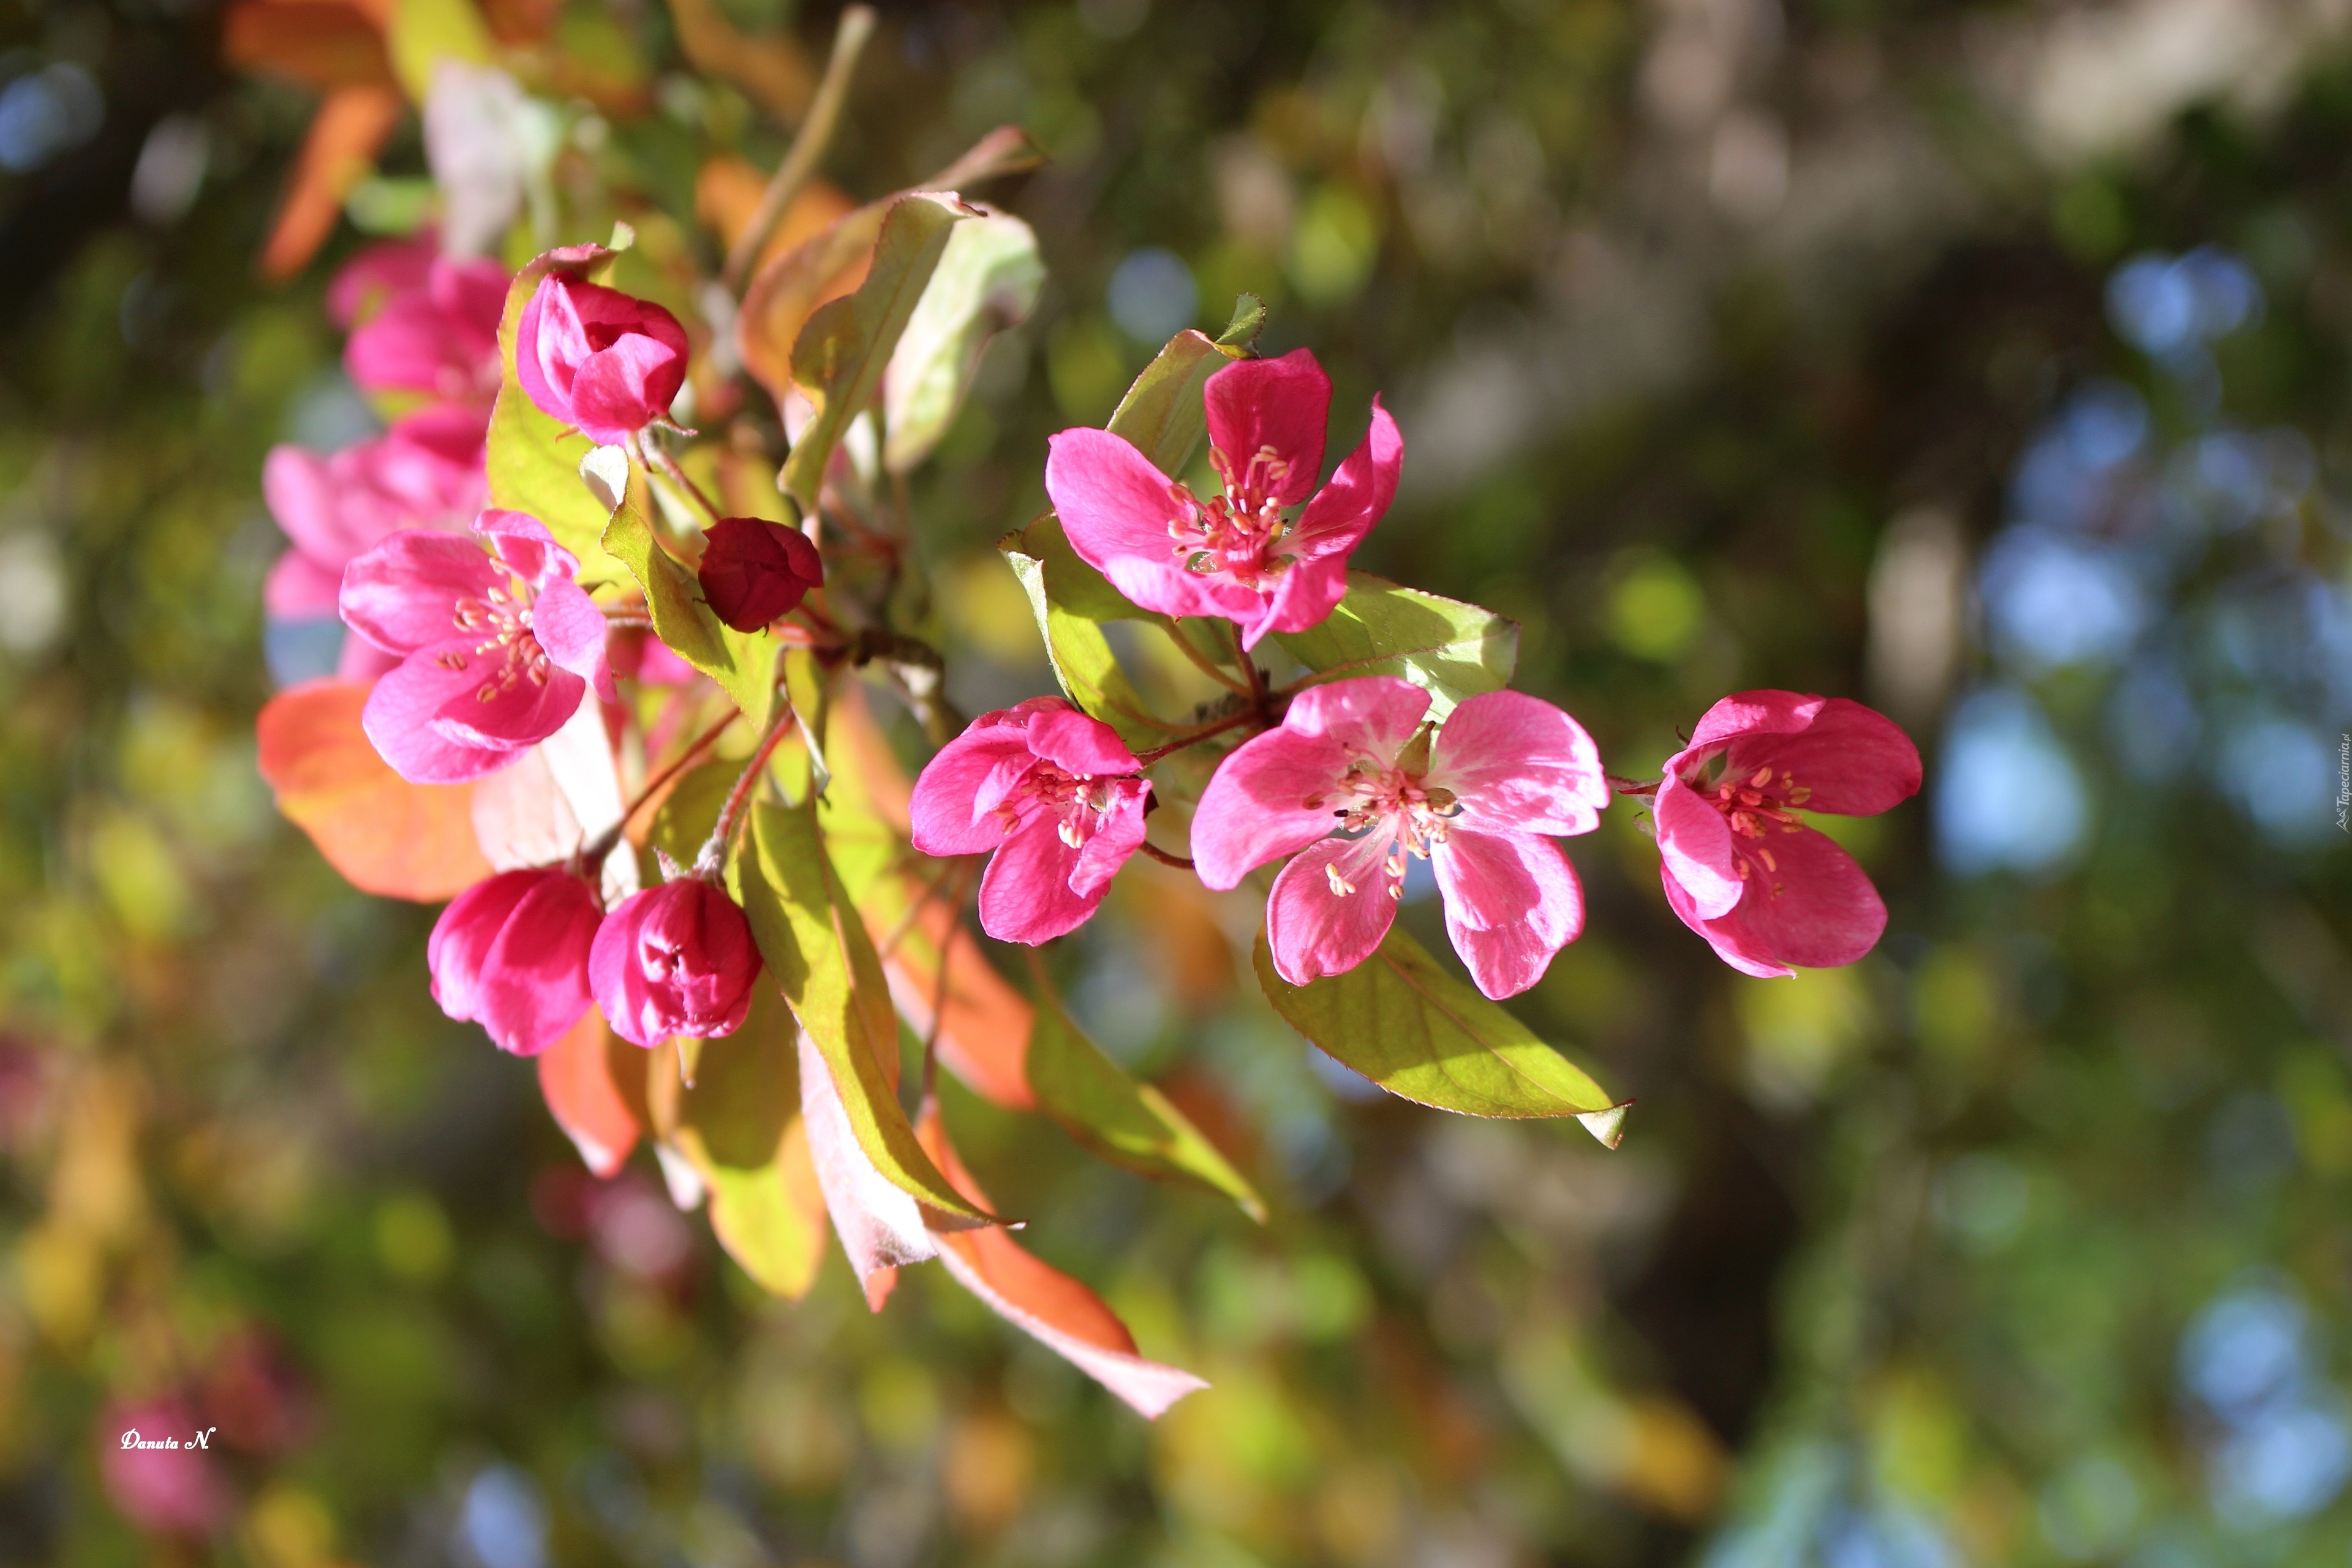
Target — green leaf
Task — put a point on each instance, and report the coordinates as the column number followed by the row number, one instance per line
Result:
column 1082, row 658
column 743, row 663
column 1240, row 336
column 739, row 1124
column 688, row 814
column 534, row 462
column 816, row 947
column 1070, row 583
column 1450, row 649
column 987, row 281
column 1403, row 1022
column 1126, row 1122
column 840, row 355
column 1162, row 414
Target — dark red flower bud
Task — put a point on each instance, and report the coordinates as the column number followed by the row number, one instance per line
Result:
column 754, row 571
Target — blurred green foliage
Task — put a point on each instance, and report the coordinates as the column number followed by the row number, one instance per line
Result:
column 1691, row 313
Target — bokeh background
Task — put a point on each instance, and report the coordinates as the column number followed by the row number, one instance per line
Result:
column 1984, row 361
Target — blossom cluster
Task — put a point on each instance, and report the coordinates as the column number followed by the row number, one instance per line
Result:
column 527, row 669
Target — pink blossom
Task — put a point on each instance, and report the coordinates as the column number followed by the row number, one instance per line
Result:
column 674, row 960
column 495, row 648
column 754, row 571
column 379, row 273
column 424, row 472
column 1505, row 774
column 1238, row 554
column 438, row 336
column 1768, row 892
column 511, row 954
column 1053, row 792
column 605, row 363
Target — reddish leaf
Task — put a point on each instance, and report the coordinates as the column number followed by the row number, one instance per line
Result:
column 983, row 1033
column 880, row 1224
column 594, row 1085
column 317, row 44
column 1041, row 1300
column 388, row 837
column 771, row 69
column 337, row 154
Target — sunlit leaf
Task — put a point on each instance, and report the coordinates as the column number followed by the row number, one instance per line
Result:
column 881, row 1224
column 1450, row 649
column 1082, row 658
column 1126, row 1123
column 1401, row 1021
column 1058, row 1311
column 386, row 835
column 738, row 1123
column 987, row 281
column 840, row 355
column 817, row 949
column 594, row 1085
column 424, row 33
column 832, row 262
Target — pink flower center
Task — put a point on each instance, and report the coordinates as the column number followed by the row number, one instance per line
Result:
column 505, row 616
column 1234, row 534
column 1081, row 801
column 1374, row 797
column 1753, row 806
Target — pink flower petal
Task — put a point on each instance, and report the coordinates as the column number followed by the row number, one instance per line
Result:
column 1855, row 761
column 1302, row 597
column 618, row 980
column 1079, row 743
column 299, row 589
column 623, row 389
column 398, row 720
column 1695, row 844
column 462, row 938
column 1374, row 715
column 1119, row 834
column 1115, row 509
column 519, row 712
column 572, row 630
column 1025, row 894
column 1344, row 510
column 1518, row 764
column 403, row 595
column 946, row 807
column 1281, row 405
column 1511, row 901
column 1317, row 927
column 379, row 273
column 1270, row 798
column 1730, row 945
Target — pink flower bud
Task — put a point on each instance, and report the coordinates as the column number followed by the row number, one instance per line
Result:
column 674, row 960
column 511, row 954
column 605, row 363
column 754, row 571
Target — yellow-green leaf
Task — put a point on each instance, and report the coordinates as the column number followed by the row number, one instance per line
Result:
column 1082, row 657
column 1450, row 649
column 1401, row 1020
column 1126, row 1122
column 840, row 353
column 817, row 949
column 421, row 34
column 738, row 1123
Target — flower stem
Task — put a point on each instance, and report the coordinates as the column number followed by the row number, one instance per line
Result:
column 808, row 144
column 1181, row 862
column 706, row 864
column 1206, row 665
column 1632, row 787
column 593, row 854
column 1194, row 737
column 657, row 456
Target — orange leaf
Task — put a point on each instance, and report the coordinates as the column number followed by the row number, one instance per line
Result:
column 1043, row 1301
column 317, row 44
column 983, row 1033
column 727, row 192
column 388, row 837
column 350, row 126
column 594, row 1085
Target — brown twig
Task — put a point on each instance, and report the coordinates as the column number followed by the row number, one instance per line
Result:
column 1181, row 862
column 723, row 832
